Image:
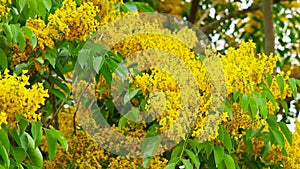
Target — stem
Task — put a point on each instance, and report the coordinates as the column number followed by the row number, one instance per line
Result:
column 269, row 27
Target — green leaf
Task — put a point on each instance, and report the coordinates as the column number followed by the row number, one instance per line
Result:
column 51, row 58
column 98, row 63
column 266, row 149
column 187, row 164
column 23, row 123
column 143, row 7
column 21, row 4
column 269, row 79
column 15, row 134
column 4, row 139
column 58, row 136
column 19, row 154
column 227, row 108
column 176, row 152
column 236, row 95
column 226, row 139
column 284, row 106
column 253, row 107
column 279, row 139
column 4, row 155
column 287, row 133
column 35, row 156
column 21, row 41
column 229, row 162
column 292, row 83
column 52, row 145
column 60, row 84
column 218, row 154
column 244, row 102
column 129, row 7
column 28, row 32
column 107, row 74
column 146, row 161
column 270, row 96
column 8, row 32
column 37, row 132
column 130, row 94
column 193, row 157
column 48, row 4
column 18, row 68
column 3, row 58
column 58, row 94
column 170, row 166
column 280, row 82
column 150, row 145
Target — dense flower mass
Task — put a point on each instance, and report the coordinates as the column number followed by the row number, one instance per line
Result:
column 17, row 97
column 4, row 8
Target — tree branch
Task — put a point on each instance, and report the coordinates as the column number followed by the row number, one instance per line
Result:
column 207, row 29
column 193, row 11
column 268, row 27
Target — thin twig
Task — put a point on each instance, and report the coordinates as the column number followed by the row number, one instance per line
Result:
column 204, row 16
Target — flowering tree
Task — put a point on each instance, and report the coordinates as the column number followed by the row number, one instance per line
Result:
column 70, row 68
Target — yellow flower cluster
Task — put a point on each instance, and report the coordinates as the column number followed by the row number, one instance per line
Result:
column 293, row 160
column 107, row 10
column 4, row 8
column 16, row 97
column 71, row 22
column 244, row 69
column 241, row 121
column 84, row 152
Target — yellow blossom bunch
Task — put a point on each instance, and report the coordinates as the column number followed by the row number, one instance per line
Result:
column 5, row 8
column 71, row 22
column 84, row 152
column 245, row 70
column 42, row 33
column 16, row 97
column 293, row 160
column 107, row 11
column 241, row 121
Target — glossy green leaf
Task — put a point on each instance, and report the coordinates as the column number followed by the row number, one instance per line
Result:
column 293, row 86
column 144, row 7
column 52, row 144
column 28, row 32
column 4, row 155
column 23, row 123
column 170, row 166
column 279, row 139
column 218, row 154
column 21, row 41
column 48, row 4
column 19, row 154
column 187, row 164
column 37, row 132
column 287, row 133
column 35, row 156
column 4, row 139
column 193, row 157
column 229, row 162
column 58, row 93
column 150, row 145
column 244, row 100
column 21, row 4
column 8, row 32
column 280, row 82
column 98, row 63
column 226, row 139
column 130, row 94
